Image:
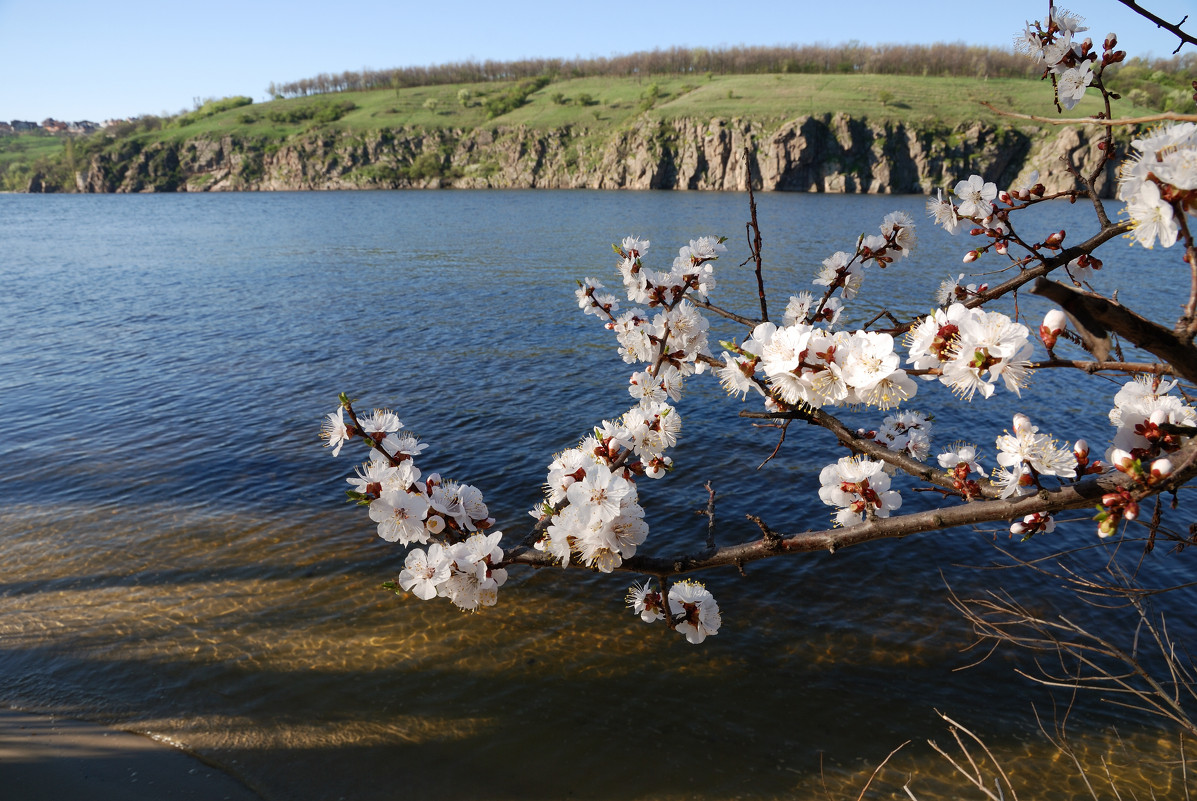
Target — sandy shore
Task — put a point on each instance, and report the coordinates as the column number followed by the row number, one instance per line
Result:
column 49, row 759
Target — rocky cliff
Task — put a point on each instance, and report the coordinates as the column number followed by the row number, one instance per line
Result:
column 808, row 154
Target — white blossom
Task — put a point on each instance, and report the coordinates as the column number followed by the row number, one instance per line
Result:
column 695, row 604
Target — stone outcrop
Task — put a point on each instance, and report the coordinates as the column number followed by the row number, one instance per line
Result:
column 808, row 154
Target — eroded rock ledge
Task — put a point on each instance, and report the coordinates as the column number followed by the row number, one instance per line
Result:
column 808, row 154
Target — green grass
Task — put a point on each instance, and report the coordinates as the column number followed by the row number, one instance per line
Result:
column 28, row 148
column 946, row 101
column 617, row 102
column 767, row 98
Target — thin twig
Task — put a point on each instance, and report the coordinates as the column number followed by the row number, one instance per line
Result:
column 710, row 513
column 777, row 447
column 877, row 770
column 1160, row 23
column 753, row 231
column 1165, row 116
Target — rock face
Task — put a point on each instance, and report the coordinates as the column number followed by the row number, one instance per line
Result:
column 808, row 154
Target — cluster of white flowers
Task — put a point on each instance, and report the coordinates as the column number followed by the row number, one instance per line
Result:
column 906, row 432
column 463, row 572
column 860, row 488
column 691, row 272
column 678, row 334
column 1026, row 455
column 1053, row 45
column 808, row 366
column 802, row 364
column 1032, row 524
column 410, row 509
column 1159, row 181
column 691, row 605
column 972, row 349
column 1151, row 423
column 591, row 499
column 592, row 502
column 1141, row 407
column 961, row 456
column 952, row 290
column 975, row 203
column 845, row 271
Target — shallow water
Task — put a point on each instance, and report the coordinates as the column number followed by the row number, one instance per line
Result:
column 178, row 558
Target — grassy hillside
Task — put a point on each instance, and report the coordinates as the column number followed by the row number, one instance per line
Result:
column 592, row 107
column 614, row 101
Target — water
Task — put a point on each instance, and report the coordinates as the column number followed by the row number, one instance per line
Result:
column 178, row 558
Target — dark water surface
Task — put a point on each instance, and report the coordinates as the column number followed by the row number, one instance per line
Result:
column 177, row 557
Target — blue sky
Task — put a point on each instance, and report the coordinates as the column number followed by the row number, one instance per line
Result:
column 73, row 60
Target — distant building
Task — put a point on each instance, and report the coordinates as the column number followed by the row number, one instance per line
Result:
column 21, row 125
column 52, row 125
column 6, row 129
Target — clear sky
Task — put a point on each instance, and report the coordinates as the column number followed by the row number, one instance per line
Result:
column 99, row 59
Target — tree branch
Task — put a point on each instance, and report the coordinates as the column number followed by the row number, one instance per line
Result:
column 1092, row 367
column 1168, row 26
column 1046, row 266
column 1085, row 493
column 1150, row 336
column 739, row 318
column 872, row 448
column 1164, row 116
column 753, row 230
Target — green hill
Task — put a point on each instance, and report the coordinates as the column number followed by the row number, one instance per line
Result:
column 591, row 109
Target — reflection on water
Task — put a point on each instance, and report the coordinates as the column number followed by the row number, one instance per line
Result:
column 177, row 559
column 288, row 664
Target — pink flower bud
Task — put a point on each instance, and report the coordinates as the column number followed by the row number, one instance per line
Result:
column 1017, row 529
column 1111, row 41
column 1161, row 468
column 1132, row 511
column 1053, row 323
column 1081, row 449
column 1004, row 197
column 1054, row 240
column 1000, row 247
column 1121, row 459
column 1022, row 425
column 971, row 256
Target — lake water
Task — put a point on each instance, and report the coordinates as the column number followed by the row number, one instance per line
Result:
column 178, row 558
